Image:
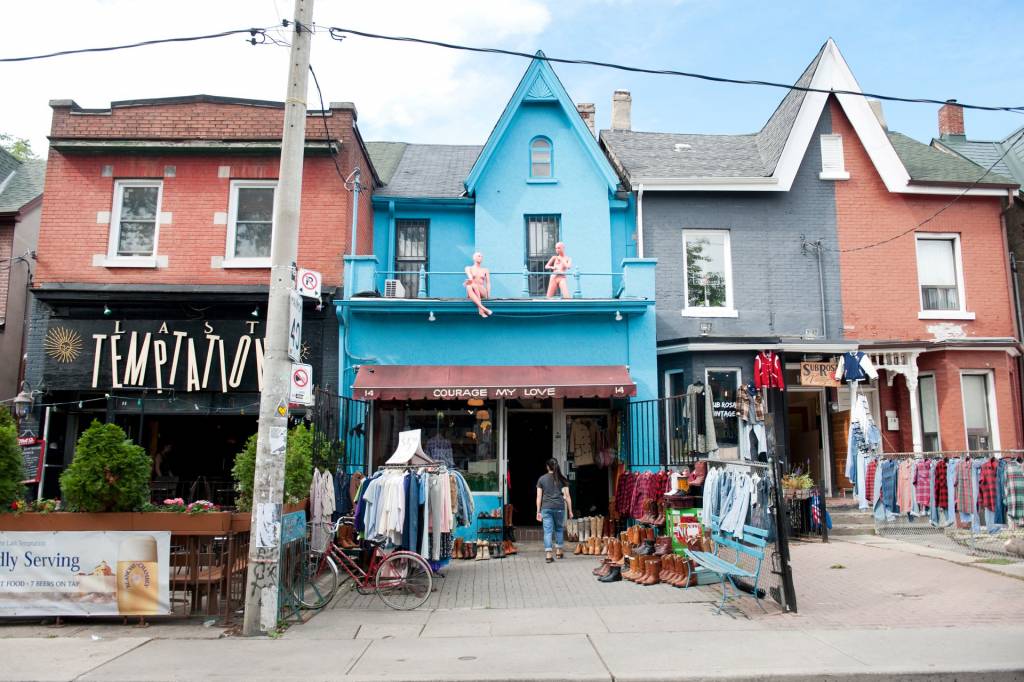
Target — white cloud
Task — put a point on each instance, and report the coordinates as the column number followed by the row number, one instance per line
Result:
column 402, row 91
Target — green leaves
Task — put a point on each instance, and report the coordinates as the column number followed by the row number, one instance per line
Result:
column 298, row 468
column 12, row 470
column 109, row 473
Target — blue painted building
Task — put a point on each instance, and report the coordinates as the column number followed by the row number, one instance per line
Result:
column 539, row 378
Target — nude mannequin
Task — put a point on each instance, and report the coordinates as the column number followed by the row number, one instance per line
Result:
column 478, row 284
column 559, row 265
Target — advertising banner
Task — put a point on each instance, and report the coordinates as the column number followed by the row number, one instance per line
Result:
column 64, row 573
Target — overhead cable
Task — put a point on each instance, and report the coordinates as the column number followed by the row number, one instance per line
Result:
column 338, row 33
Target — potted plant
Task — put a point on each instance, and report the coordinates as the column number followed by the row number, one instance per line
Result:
column 12, row 471
column 298, row 474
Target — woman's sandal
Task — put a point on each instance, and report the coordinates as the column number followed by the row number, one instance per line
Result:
column 547, row 558
column 559, row 554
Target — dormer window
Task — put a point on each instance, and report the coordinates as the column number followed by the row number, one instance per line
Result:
column 540, row 158
column 833, row 166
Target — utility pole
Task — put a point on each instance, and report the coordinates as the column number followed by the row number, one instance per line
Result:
column 261, row 592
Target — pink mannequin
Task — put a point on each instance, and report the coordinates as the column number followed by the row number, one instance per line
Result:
column 559, row 265
column 478, row 284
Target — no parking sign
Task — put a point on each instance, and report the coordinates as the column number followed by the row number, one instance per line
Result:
column 309, row 283
column 301, row 384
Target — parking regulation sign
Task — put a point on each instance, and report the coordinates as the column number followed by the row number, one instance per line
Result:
column 301, row 385
column 309, row 283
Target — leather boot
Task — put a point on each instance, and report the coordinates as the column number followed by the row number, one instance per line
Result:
column 659, row 518
column 579, row 548
column 627, row 570
column 653, row 570
column 614, row 576
column 457, row 548
column 499, row 550
column 641, row 568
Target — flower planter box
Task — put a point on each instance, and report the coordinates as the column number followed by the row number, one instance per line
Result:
column 211, row 523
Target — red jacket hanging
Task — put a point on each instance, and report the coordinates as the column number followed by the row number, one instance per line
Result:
column 768, row 371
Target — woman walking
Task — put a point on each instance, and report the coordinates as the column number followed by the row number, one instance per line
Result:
column 553, row 502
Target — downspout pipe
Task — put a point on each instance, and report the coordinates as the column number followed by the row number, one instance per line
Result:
column 821, row 289
column 640, row 221
column 354, row 179
column 1015, row 288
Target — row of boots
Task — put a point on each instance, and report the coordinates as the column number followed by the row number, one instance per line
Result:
column 653, row 513
column 670, row 569
column 648, row 562
column 482, row 551
column 581, row 530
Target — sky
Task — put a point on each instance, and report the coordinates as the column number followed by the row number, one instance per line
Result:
column 938, row 49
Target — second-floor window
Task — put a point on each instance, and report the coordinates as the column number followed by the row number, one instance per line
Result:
column 541, row 237
column 939, row 272
column 410, row 253
column 708, row 273
column 541, row 158
column 135, row 218
column 251, row 222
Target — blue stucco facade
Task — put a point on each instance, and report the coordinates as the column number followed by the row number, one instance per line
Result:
column 610, row 318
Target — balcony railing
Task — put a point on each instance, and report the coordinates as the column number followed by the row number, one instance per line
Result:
column 523, row 284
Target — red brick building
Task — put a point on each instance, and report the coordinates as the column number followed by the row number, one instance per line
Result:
column 153, row 264
column 927, row 291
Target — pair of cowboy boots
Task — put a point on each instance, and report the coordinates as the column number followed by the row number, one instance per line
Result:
column 614, row 558
column 678, row 571
column 508, row 548
column 346, row 537
column 645, row 570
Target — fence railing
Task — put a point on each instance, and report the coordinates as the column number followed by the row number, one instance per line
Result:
column 525, row 283
column 340, row 431
column 656, row 434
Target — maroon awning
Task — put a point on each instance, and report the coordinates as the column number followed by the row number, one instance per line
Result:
column 462, row 382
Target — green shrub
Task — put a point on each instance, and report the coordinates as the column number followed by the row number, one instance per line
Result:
column 12, row 468
column 298, row 468
column 109, row 473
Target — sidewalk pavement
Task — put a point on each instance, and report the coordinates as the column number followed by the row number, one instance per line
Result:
column 866, row 611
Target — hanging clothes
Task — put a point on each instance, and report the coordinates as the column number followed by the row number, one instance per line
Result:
column 1013, row 492
column 855, row 366
column 701, row 414
column 768, row 371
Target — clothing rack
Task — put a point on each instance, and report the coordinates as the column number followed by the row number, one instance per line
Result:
column 942, row 454
column 740, row 462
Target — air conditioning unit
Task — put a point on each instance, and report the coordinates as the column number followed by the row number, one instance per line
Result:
column 393, row 288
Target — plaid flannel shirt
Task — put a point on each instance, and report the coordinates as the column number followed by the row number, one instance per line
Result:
column 923, row 483
column 987, row 485
column 869, row 481
column 941, row 485
column 1013, row 491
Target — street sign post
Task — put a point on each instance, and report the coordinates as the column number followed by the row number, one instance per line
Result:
column 309, row 283
column 301, row 387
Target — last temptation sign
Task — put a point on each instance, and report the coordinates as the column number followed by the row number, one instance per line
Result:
column 180, row 355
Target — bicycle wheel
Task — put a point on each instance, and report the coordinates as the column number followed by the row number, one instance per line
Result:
column 318, row 581
column 404, row 581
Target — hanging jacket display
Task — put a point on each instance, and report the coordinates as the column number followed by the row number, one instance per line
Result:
column 855, row 366
column 701, row 415
column 768, row 371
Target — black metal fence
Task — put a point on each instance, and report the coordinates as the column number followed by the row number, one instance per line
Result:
column 656, row 433
column 340, row 431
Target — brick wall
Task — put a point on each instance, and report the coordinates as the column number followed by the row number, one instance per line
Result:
column 775, row 284
column 880, row 289
column 73, row 233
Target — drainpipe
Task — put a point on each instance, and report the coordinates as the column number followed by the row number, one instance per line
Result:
column 353, row 178
column 1015, row 288
column 640, row 221
column 819, row 247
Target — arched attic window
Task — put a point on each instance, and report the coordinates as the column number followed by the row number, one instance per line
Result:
column 541, row 158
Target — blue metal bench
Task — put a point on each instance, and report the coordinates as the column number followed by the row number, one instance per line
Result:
column 753, row 543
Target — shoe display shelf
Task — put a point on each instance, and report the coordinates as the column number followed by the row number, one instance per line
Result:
column 490, row 528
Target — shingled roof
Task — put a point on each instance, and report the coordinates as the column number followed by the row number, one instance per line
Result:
column 21, row 182
column 928, row 164
column 1007, row 154
column 436, row 171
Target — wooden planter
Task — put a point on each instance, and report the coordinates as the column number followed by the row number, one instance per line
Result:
column 241, row 522
column 211, row 523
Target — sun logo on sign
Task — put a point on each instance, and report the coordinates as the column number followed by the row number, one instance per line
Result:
column 62, row 344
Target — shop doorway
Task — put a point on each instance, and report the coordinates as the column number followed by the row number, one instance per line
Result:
column 808, row 446
column 590, row 449
column 528, row 448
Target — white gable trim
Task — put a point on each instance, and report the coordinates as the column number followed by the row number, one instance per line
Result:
column 832, row 73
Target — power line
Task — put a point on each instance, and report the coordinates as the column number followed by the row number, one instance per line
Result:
column 337, row 33
column 258, row 36
column 327, row 130
column 939, row 212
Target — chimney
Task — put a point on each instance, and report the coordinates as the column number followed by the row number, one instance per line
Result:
column 951, row 119
column 622, row 102
column 587, row 113
column 876, row 106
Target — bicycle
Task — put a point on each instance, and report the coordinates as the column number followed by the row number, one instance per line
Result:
column 402, row 579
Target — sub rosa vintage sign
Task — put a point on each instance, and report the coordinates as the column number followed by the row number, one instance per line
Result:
column 179, row 355
column 818, row 373
column 85, row 573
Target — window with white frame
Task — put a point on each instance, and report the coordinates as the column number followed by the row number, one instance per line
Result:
column 251, row 222
column 707, row 283
column 929, row 405
column 833, row 167
column 940, row 274
column 979, row 410
column 135, row 219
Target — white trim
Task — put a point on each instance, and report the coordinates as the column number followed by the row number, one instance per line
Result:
column 960, row 313
column 667, row 380
column 811, row 348
column 832, row 73
column 944, row 314
column 114, row 234
column 101, row 260
column 640, row 222
column 833, row 166
column 230, row 261
column 727, row 310
column 736, row 388
column 935, row 404
column 710, row 312
column 990, row 391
